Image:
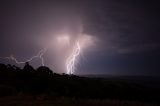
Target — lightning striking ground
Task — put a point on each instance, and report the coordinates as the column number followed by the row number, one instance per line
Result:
column 70, row 63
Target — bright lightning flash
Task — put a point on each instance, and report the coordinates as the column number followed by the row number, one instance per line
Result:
column 63, row 42
column 70, row 63
column 39, row 55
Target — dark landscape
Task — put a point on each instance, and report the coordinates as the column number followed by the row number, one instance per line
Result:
column 41, row 86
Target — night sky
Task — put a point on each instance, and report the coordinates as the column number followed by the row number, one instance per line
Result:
column 125, row 34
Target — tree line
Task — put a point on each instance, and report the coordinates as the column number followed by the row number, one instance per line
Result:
column 27, row 80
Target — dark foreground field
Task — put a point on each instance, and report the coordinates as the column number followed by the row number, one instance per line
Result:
column 42, row 100
column 42, row 87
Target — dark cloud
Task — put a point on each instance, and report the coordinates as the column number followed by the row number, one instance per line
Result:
column 125, row 25
column 126, row 31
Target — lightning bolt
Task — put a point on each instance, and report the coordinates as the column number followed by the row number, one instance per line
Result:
column 70, row 63
column 39, row 55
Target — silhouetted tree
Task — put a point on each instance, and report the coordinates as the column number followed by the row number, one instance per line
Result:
column 28, row 67
column 43, row 70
